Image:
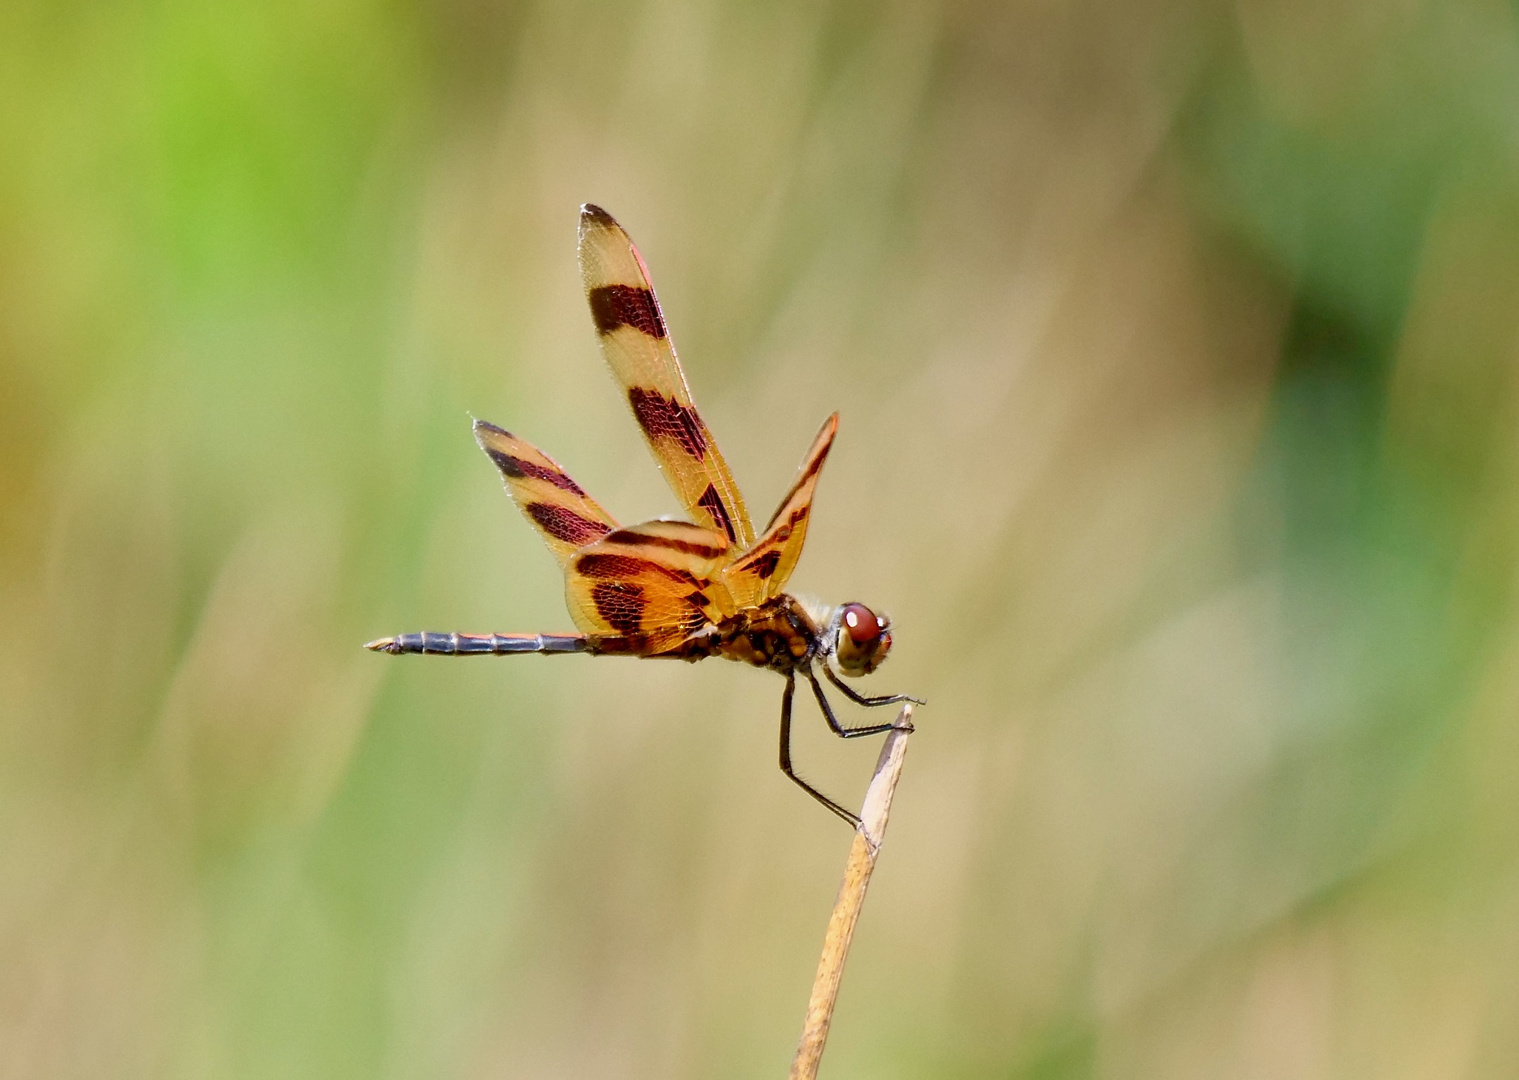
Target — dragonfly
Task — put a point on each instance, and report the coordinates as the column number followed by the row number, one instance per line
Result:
column 673, row 589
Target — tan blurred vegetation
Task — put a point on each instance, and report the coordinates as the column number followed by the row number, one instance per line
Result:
column 1175, row 345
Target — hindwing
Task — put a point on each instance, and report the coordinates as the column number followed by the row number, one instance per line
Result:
column 656, row 581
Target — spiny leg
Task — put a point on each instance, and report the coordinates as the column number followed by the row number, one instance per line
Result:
column 839, row 729
column 864, row 699
column 786, row 758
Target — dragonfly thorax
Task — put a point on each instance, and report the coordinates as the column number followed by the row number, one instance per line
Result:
column 778, row 634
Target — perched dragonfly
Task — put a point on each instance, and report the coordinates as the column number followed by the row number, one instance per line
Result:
column 683, row 590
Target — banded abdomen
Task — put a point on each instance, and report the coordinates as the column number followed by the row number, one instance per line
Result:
column 481, row 644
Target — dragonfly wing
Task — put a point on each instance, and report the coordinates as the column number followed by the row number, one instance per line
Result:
column 638, row 349
column 658, row 582
column 763, row 570
column 565, row 516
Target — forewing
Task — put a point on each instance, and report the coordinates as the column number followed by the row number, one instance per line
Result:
column 637, row 346
column 657, row 581
column 565, row 516
column 762, row 571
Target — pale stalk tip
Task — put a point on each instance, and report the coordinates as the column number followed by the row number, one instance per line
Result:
column 846, row 909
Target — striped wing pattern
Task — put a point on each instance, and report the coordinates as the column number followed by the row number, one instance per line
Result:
column 762, row 572
column 658, row 582
column 637, row 346
column 565, row 516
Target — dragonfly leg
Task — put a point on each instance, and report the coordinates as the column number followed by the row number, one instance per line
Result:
column 786, row 757
column 864, row 699
column 839, row 729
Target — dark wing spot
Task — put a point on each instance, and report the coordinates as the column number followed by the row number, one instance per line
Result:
column 620, row 604
column 796, row 516
column 564, row 524
column 509, row 465
column 607, row 566
column 712, row 504
column 699, row 599
column 633, row 538
column 626, row 305
column 662, row 417
column 517, row 468
column 592, row 212
column 764, row 565
column 808, row 473
column 813, row 467
column 601, row 565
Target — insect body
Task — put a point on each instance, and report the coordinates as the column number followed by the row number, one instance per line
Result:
column 682, row 590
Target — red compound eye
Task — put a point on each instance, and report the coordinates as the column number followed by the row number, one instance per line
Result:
column 861, row 624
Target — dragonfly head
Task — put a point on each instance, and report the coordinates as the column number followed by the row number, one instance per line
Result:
column 861, row 639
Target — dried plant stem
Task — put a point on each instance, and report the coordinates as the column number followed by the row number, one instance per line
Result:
column 846, row 909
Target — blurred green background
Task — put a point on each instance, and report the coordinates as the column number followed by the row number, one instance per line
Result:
column 1175, row 344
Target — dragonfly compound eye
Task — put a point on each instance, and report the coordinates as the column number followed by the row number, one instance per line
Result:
column 863, row 641
column 861, row 624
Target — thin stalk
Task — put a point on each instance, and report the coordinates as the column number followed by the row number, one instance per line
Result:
column 846, row 909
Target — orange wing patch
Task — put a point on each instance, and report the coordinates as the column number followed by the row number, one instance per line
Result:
column 762, row 572
column 637, row 346
column 657, row 581
column 565, row 516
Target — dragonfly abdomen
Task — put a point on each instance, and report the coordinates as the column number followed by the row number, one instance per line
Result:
column 437, row 644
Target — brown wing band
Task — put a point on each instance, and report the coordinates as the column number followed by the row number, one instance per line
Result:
column 518, row 468
column 564, row 524
column 620, row 603
column 712, row 503
column 662, row 417
column 626, row 305
column 606, row 565
column 633, row 538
